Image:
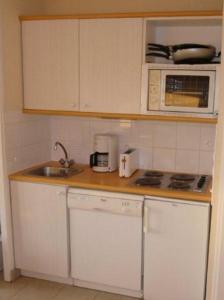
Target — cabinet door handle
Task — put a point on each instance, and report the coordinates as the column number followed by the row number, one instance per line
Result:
column 146, row 220
column 85, row 106
column 101, row 209
column 61, row 193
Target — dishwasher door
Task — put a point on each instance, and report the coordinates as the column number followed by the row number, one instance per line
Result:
column 106, row 239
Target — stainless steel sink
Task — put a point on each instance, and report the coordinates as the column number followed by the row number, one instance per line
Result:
column 54, row 172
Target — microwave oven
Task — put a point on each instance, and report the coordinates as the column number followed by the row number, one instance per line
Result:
column 180, row 89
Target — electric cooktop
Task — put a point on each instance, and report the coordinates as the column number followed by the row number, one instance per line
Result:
column 173, row 181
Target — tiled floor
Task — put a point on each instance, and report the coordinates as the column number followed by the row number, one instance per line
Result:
column 34, row 289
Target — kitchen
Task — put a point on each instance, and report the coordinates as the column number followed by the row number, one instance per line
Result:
column 196, row 140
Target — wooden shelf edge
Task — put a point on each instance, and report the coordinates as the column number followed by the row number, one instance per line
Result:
column 121, row 116
column 206, row 13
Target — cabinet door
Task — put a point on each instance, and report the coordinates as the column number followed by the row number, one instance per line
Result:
column 110, row 65
column 40, row 228
column 175, row 253
column 51, row 64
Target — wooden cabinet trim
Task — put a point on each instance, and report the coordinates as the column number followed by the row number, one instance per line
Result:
column 208, row 13
column 121, row 116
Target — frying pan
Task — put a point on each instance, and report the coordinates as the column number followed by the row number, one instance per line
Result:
column 183, row 53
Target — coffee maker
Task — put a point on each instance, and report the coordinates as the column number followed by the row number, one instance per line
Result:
column 105, row 157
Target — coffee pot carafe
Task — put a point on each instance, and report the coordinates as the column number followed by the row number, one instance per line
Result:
column 105, row 157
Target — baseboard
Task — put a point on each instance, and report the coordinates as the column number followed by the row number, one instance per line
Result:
column 106, row 288
column 84, row 284
column 15, row 274
column 68, row 281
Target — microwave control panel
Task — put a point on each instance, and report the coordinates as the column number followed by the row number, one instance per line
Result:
column 154, row 90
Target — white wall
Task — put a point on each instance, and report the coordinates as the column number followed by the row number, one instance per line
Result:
column 11, row 48
column 215, row 287
column 25, row 136
column 11, row 101
column 5, row 222
column 167, row 146
column 99, row 6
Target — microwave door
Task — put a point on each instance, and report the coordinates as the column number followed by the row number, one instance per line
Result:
column 187, row 91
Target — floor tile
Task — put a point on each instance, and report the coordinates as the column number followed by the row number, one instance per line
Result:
column 34, row 289
column 128, row 298
column 10, row 289
column 38, row 290
column 109, row 296
column 75, row 293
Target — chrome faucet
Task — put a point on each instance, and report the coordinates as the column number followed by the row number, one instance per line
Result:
column 66, row 163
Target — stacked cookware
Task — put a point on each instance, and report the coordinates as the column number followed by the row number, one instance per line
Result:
column 184, row 53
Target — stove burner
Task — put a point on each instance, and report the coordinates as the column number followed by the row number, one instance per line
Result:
column 153, row 174
column 183, row 177
column 178, row 185
column 144, row 181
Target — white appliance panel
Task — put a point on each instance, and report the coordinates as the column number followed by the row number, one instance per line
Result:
column 175, row 250
column 106, row 244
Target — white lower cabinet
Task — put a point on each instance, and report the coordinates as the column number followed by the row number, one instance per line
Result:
column 175, row 249
column 106, row 240
column 40, row 228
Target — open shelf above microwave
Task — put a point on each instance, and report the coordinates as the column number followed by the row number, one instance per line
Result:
column 181, row 30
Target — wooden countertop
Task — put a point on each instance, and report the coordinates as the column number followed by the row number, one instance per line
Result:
column 108, row 182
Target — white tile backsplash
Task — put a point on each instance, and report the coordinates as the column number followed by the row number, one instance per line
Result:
column 187, row 161
column 167, row 146
column 164, row 159
column 165, row 135
column 74, row 134
column 112, row 127
column 27, row 140
column 13, row 136
column 142, row 134
column 188, row 136
column 206, row 162
column 147, row 162
column 207, row 140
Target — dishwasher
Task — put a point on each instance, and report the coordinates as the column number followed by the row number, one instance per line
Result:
column 106, row 240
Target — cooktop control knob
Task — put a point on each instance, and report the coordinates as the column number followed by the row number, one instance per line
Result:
column 201, row 181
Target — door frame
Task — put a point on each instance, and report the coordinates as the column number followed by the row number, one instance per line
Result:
column 5, row 205
column 215, row 288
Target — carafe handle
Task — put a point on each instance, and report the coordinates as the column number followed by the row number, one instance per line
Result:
column 92, row 160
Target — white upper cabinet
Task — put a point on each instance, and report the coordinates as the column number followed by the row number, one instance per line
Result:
column 51, row 64
column 110, row 65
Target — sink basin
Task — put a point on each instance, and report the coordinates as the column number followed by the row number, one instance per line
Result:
column 54, row 172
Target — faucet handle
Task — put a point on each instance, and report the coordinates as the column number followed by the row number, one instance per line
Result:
column 71, row 162
column 62, row 161
column 66, row 163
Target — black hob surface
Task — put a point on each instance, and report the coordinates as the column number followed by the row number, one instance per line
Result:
column 174, row 181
